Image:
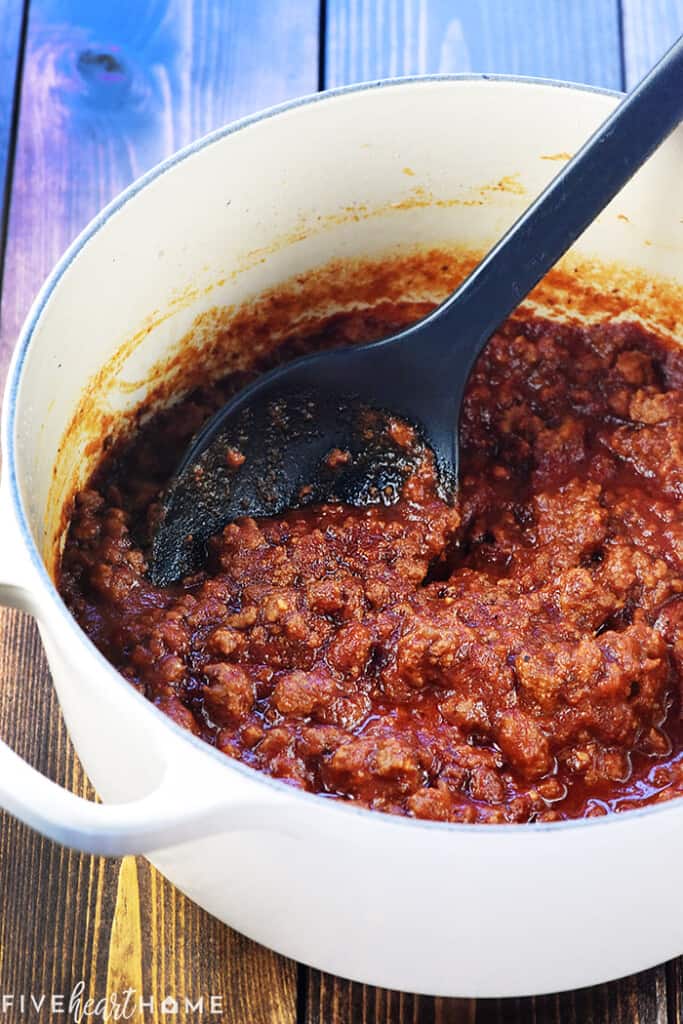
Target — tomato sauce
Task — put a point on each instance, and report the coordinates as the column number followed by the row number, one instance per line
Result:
column 514, row 658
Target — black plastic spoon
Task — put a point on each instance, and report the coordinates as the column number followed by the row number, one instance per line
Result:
column 268, row 449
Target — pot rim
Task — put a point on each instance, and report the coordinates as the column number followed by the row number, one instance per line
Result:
column 77, row 635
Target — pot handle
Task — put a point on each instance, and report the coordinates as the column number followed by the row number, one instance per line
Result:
column 162, row 819
column 176, row 811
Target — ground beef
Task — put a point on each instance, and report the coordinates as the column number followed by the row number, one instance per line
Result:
column 517, row 657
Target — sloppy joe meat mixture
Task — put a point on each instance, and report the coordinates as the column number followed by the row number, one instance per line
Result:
column 515, row 658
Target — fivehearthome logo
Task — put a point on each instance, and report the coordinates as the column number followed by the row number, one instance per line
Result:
column 129, row 1004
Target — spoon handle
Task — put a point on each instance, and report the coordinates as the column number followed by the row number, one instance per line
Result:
column 561, row 212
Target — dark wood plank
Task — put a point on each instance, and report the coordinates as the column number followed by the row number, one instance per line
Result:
column 331, row 1000
column 577, row 40
column 674, row 981
column 108, row 90
column 649, row 28
column 639, row 999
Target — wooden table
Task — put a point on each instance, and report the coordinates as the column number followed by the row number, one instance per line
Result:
column 92, row 93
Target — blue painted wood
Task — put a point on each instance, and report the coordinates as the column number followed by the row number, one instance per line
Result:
column 650, row 27
column 568, row 39
column 10, row 40
column 111, row 88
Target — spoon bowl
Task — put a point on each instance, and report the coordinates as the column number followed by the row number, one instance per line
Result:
column 322, row 428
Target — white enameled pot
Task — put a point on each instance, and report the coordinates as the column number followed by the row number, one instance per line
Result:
column 428, row 907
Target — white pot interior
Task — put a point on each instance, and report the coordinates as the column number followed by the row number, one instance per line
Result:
column 353, row 176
